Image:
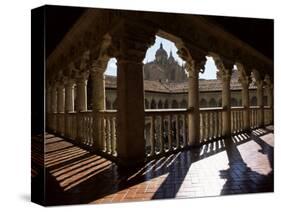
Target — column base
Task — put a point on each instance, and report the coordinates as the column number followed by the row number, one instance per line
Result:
column 129, row 163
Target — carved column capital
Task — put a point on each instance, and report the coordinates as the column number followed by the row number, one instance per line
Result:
column 224, row 68
column 81, row 76
column 98, row 67
column 244, row 77
column 195, row 60
column 130, row 40
column 268, row 82
column 259, row 84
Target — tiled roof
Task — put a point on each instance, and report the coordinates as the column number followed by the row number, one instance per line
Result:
column 169, row 87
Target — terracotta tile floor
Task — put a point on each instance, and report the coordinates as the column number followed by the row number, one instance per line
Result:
column 243, row 164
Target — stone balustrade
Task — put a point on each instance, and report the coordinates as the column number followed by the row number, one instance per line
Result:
column 268, row 115
column 237, row 119
column 210, row 124
column 254, row 117
column 166, row 131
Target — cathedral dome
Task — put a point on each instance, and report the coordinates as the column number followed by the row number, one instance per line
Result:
column 161, row 53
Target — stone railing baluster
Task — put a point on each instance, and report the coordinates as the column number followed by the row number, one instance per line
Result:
column 177, row 131
column 161, row 143
column 153, row 135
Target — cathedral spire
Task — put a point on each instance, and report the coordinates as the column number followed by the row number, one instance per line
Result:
column 171, row 54
column 161, row 45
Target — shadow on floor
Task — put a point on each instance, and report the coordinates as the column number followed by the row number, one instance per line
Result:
column 75, row 176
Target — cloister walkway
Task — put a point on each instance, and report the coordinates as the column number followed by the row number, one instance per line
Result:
column 242, row 164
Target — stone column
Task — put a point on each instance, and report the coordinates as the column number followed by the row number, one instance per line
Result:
column 49, row 100
column 226, row 104
column 69, row 105
column 224, row 73
column 245, row 103
column 54, row 108
column 130, row 111
column 98, row 100
column 269, row 91
column 98, row 88
column 81, row 83
column 54, row 99
column 193, row 105
column 69, row 96
column 259, row 84
column 60, row 98
column 48, row 104
column 61, row 108
column 195, row 61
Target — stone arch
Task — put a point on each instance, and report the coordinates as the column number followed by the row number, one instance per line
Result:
column 166, row 104
column 254, row 101
column 160, row 104
column 213, row 103
column 153, row 104
column 146, row 104
column 203, row 103
column 183, row 104
column 234, row 102
column 175, row 104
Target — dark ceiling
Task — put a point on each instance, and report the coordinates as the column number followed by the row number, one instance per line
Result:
column 256, row 32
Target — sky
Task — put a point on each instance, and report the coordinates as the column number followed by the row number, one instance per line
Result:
column 210, row 68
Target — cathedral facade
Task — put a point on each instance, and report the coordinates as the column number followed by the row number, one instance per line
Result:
column 164, row 68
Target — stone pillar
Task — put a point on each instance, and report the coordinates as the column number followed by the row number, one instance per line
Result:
column 49, row 100
column 259, row 84
column 81, row 83
column 130, row 111
column 245, row 103
column 195, row 61
column 98, row 88
column 224, row 73
column 54, row 99
column 226, row 104
column 193, row 105
column 69, row 96
column 69, row 105
column 60, row 98
column 98, row 100
column 54, row 108
column 60, row 109
column 269, row 91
